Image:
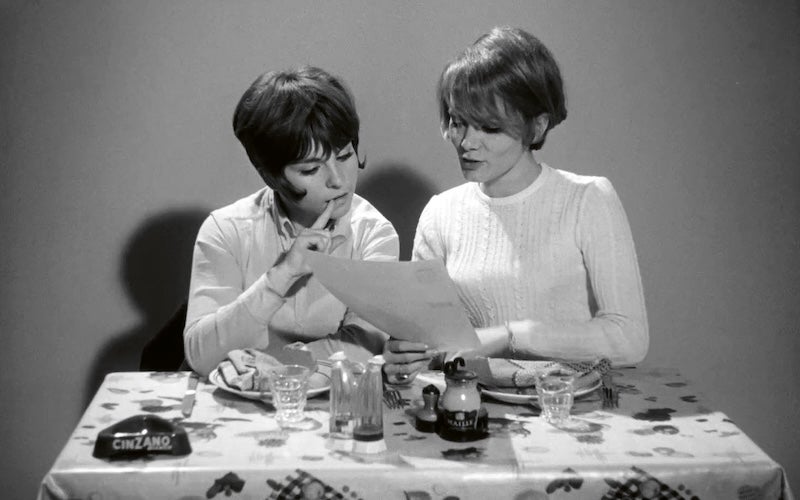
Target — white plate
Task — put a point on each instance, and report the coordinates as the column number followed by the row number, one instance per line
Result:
column 506, row 396
column 318, row 383
column 435, row 377
column 509, row 395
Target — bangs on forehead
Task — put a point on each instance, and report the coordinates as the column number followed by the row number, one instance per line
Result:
column 471, row 93
column 317, row 139
column 475, row 107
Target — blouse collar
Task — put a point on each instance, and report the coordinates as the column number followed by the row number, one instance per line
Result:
column 287, row 229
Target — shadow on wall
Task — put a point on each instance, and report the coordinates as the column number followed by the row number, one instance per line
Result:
column 155, row 271
column 400, row 195
column 157, row 260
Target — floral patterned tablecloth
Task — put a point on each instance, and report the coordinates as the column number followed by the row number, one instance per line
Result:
column 662, row 442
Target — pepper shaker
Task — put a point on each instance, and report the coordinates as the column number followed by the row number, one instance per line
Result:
column 427, row 416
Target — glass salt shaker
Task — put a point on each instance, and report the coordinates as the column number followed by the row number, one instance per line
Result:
column 368, row 431
column 342, row 397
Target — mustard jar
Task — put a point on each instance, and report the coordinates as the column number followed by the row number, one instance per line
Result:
column 462, row 417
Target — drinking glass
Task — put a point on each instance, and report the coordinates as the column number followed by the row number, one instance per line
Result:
column 556, row 392
column 289, row 385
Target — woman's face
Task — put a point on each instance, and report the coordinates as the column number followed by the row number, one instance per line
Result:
column 489, row 155
column 323, row 180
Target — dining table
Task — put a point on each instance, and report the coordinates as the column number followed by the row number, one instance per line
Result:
column 664, row 440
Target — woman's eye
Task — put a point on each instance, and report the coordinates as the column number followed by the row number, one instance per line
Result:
column 491, row 130
column 344, row 156
column 309, row 171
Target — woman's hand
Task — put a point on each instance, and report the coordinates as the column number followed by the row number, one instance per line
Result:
column 315, row 238
column 495, row 342
column 405, row 359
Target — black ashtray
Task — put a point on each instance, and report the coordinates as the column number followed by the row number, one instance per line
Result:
column 141, row 435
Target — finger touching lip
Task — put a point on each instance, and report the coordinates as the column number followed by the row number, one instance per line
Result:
column 340, row 200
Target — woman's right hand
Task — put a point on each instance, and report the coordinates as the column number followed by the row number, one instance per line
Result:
column 315, row 238
column 405, row 359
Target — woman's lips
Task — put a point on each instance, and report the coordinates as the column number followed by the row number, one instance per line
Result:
column 470, row 164
column 340, row 199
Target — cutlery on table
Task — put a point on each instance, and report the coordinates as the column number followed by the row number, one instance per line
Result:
column 608, row 392
column 393, row 399
column 188, row 398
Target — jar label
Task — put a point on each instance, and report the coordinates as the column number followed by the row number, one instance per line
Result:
column 461, row 420
column 463, row 425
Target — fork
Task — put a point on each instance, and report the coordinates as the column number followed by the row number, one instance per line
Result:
column 393, row 399
column 609, row 393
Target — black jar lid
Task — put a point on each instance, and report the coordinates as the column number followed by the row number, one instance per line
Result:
column 454, row 373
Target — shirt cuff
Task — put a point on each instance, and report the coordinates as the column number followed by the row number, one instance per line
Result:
column 262, row 299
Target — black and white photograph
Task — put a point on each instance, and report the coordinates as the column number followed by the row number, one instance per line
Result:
column 378, row 249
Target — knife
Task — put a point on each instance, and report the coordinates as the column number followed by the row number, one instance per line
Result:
column 188, row 397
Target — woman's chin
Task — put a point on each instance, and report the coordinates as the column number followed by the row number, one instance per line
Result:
column 472, row 176
column 340, row 210
column 342, row 206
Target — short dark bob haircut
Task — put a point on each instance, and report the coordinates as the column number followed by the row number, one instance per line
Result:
column 286, row 115
column 503, row 81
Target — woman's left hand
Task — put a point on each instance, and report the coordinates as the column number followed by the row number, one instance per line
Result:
column 405, row 359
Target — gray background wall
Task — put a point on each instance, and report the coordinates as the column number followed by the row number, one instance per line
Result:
column 115, row 139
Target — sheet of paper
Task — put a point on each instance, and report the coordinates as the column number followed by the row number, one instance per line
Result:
column 408, row 300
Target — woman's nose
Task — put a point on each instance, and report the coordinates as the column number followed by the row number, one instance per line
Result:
column 470, row 139
column 335, row 176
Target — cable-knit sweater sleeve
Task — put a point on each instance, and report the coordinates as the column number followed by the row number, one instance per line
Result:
column 618, row 329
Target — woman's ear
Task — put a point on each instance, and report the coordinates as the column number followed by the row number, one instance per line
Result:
column 540, row 124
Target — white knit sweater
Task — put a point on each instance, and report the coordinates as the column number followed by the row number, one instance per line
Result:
column 556, row 261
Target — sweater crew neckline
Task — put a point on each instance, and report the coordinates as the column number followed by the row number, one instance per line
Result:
column 516, row 197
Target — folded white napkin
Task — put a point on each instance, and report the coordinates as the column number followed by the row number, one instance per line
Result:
column 244, row 368
column 507, row 373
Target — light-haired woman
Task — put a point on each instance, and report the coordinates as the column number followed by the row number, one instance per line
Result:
column 543, row 259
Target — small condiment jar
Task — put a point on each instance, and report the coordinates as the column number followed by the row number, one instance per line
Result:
column 427, row 416
column 461, row 415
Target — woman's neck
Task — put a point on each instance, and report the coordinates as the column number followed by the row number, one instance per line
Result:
column 293, row 214
column 516, row 179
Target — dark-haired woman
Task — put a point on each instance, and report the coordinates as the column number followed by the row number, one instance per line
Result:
column 543, row 259
column 250, row 285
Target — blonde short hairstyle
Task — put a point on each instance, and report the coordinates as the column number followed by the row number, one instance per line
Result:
column 503, row 81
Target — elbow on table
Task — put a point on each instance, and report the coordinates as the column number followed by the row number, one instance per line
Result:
column 633, row 356
column 192, row 352
column 636, row 346
column 201, row 369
